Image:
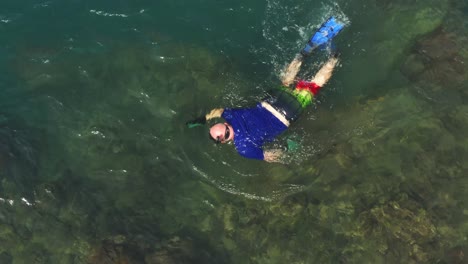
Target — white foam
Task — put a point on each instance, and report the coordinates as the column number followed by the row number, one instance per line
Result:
column 103, row 13
column 26, row 202
column 44, row 4
column 98, row 133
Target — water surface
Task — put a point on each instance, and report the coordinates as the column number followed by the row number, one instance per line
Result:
column 97, row 165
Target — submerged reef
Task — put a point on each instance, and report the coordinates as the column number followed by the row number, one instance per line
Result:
column 399, row 24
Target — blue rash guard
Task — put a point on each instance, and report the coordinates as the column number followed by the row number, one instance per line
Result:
column 252, row 128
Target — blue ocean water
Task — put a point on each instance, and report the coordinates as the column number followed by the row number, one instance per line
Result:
column 97, row 165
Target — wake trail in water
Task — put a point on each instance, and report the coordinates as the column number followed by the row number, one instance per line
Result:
column 282, row 191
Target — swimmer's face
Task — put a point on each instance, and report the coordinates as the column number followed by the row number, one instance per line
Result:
column 222, row 133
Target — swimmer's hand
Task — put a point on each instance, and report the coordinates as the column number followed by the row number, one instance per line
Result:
column 200, row 121
column 217, row 112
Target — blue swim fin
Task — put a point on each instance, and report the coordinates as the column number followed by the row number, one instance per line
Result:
column 323, row 35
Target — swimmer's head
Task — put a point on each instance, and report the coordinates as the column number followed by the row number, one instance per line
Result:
column 221, row 132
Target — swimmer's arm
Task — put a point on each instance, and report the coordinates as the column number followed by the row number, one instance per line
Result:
column 272, row 155
column 217, row 112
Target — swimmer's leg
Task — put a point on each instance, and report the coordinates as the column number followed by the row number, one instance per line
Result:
column 325, row 73
column 288, row 76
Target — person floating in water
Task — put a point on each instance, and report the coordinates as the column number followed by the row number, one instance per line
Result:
column 251, row 128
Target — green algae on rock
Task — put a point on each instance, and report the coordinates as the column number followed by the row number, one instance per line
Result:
column 401, row 23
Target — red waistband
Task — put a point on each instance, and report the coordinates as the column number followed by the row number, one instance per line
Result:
column 310, row 86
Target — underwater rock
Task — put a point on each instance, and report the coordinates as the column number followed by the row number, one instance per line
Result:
column 6, row 258
column 228, row 215
column 330, row 168
column 413, row 66
column 206, row 224
column 287, row 209
column 110, row 252
column 439, row 45
column 428, row 18
column 229, row 244
column 456, row 255
column 403, row 22
column 437, row 58
column 18, row 158
column 345, row 190
column 457, row 120
column 174, row 251
column 412, row 229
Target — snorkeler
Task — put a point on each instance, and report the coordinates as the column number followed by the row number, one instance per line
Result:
column 251, row 128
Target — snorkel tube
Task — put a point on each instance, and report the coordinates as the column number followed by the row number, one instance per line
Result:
column 200, row 121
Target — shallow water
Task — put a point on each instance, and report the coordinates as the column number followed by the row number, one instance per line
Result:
column 97, row 165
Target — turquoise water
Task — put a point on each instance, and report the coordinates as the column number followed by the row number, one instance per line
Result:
column 97, row 165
